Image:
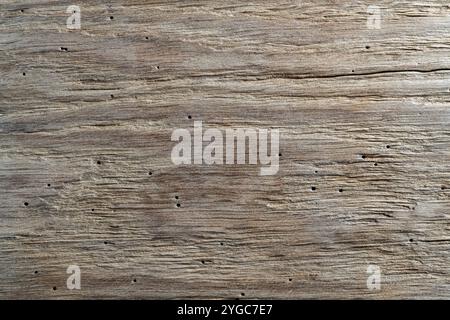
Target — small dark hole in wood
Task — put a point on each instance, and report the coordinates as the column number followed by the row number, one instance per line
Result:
column 367, row 47
column 388, row 147
column 21, row 10
column 150, row 173
column 363, row 156
column 316, row 172
column 54, row 288
column 157, row 67
column 92, row 210
column 112, row 96
column 353, row 70
column 290, row 279
column 411, row 240
column 146, row 38
column 99, row 162
column 221, row 243
column 375, row 164
column 242, row 294
column 63, row 49
column 442, row 188
column 24, row 74
column 36, row 272
column 111, row 18
column 279, row 154
column 189, row 117
column 341, row 190
column 25, row 204
column 105, row 242
column 313, row 188
column 178, row 205
column 203, row 261
column 49, row 185
column 177, row 197
column 134, row 280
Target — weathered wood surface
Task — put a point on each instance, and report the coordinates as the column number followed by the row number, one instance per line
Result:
column 86, row 115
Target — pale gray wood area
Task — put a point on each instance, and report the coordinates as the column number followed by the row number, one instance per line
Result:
column 86, row 115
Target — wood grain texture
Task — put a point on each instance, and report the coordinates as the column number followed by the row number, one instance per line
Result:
column 85, row 123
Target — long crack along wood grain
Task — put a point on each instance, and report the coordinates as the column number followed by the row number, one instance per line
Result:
column 86, row 118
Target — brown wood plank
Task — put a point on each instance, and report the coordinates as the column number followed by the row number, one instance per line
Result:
column 86, row 118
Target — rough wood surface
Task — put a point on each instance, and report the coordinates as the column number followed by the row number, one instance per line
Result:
column 85, row 123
